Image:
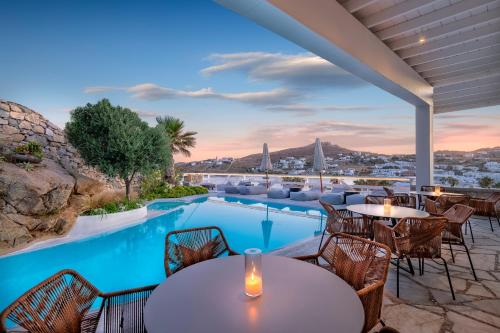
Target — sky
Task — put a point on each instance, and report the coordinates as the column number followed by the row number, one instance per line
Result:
column 235, row 83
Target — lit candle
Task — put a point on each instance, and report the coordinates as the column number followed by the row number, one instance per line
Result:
column 387, row 205
column 437, row 189
column 253, row 272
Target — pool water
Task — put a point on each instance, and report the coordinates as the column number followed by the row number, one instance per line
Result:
column 133, row 257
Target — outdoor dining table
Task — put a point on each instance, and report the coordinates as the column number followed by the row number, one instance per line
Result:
column 297, row 297
column 393, row 213
column 432, row 194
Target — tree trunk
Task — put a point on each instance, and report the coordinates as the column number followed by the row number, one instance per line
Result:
column 170, row 173
column 127, row 188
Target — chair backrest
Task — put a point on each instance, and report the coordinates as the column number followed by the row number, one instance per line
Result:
column 376, row 199
column 187, row 247
column 494, row 197
column 358, row 261
column 56, row 305
column 447, row 201
column 430, row 206
column 419, row 237
column 459, row 213
column 389, row 191
column 427, row 188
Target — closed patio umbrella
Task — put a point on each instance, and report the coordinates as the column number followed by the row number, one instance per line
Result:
column 265, row 164
column 319, row 163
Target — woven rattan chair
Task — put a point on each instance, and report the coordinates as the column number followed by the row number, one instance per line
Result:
column 487, row 207
column 401, row 199
column 187, row 247
column 361, row 263
column 444, row 202
column 62, row 303
column 418, row 238
column 377, row 199
column 341, row 220
column 458, row 216
column 421, row 198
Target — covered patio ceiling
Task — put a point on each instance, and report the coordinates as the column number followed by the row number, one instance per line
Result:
column 450, row 48
column 453, row 45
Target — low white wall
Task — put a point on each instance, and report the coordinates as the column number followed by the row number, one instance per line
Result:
column 89, row 225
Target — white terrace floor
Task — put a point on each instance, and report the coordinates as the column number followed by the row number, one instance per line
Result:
column 425, row 303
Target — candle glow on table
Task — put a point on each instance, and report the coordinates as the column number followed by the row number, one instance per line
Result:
column 387, row 205
column 437, row 189
column 253, row 272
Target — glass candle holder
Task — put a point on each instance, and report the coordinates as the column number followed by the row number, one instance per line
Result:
column 437, row 189
column 253, row 272
column 387, row 204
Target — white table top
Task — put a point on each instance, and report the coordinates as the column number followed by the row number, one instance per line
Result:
column 434, row 194
column 297, row 297
column 378, row 210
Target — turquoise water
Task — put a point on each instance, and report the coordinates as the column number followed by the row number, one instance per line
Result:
column 133, row 257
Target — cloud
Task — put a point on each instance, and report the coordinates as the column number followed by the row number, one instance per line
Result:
column 306, row 71
column 303, row 109
column 99, row 89
column 154, row 92
column 146, row 114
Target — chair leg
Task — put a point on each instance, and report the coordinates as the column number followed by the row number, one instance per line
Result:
column 397, row 277
column 470, row 261
column 491, row 224
column 419, row 266
column 498, row 219
column 449, row 279
column 410, row 266
column 451, row 250
column 321, row 241
column 423, row 266
column 470, row 228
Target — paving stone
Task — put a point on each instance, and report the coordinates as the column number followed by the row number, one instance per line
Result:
column 487, row 305
column 410, row 319
column 463, row 324
column 476, row 314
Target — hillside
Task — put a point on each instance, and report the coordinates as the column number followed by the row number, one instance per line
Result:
column 251, row 161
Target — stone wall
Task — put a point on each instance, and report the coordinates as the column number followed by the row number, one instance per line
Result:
column 19, row 124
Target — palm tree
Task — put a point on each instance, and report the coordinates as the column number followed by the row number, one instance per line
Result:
column 180, row 141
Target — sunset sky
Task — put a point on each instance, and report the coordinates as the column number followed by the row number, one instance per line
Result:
column 235, row 83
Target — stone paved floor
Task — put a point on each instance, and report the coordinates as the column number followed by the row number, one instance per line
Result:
column 425, row 303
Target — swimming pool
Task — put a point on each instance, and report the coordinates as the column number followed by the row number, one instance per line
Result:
column 133, row 257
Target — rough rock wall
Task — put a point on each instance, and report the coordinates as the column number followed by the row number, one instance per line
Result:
column 43, row 200
column 19, row 124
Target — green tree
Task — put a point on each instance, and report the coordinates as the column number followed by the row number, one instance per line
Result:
column 486, row 182
column 180, row 140
column 117, row 141
column 452, row 181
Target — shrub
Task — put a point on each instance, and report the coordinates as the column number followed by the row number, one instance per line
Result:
column 293, row 179
column 31, row 148
column 115, row 207
column 165, row 191
column 372, row 182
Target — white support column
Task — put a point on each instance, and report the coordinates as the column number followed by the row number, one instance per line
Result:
column 424, row 145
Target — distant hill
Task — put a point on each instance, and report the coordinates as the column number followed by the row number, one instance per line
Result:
column 254, row 160
column 492, row 150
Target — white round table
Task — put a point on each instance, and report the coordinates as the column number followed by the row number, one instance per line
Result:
column 378, row 210
column 297, row 297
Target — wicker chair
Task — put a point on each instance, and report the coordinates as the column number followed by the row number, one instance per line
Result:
column 487, row 207
column 457, row 216
column 341, row 220
column 361, row 263
column 414, row 238
column 401, row 199
column 421, row 198
column 61, row 304
column 444, row 202
column 377, row 199
column 187, row 247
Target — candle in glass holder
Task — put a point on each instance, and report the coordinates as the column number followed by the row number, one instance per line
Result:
column 253, row 272
column 387, row 205
column 437, row 189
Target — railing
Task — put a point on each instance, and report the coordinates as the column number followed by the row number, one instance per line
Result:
column 312, row 180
